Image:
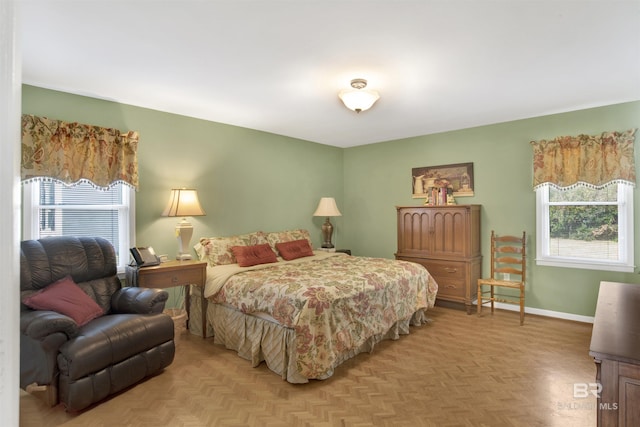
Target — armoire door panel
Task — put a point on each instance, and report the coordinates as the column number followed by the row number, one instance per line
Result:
column 445, row 239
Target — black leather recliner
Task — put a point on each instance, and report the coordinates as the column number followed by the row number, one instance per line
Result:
column 83, row 365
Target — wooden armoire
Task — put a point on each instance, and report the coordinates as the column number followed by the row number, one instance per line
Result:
column 446, row 240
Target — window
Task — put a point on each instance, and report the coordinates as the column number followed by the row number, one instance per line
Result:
column 585, row 227
column 53, row 209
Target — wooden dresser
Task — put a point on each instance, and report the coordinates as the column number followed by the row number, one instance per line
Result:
column 615, row 347
column 446, row 240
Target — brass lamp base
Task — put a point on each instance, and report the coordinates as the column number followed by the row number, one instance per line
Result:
column 327, row 231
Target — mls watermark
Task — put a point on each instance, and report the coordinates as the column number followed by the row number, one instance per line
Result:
column 585, row 391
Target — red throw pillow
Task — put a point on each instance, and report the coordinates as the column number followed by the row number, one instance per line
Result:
column 65, row 297
column 294, row 249
column 254, row 255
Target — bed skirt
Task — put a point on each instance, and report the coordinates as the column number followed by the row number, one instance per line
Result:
column 258, row 339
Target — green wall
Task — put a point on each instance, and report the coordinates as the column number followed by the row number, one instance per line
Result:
column 246, row 180
column 250, row 180
column 378, row 177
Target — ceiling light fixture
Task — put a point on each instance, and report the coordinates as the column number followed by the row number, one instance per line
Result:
column 358, row 98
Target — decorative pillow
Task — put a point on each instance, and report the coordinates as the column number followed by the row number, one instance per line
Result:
column 254, row 255
column 217, row 250
column 294, row 249
column 65, row 297
column 287, row 236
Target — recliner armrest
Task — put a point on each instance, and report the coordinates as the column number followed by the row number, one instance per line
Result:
column 39, row 324
column 139, row 300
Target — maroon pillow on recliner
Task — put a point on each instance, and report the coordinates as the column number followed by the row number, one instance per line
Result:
column 65, row 297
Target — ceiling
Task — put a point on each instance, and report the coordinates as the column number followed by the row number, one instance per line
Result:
column 277, row 65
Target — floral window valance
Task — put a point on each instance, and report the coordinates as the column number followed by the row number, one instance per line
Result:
column 596, row 160
column 72, row 153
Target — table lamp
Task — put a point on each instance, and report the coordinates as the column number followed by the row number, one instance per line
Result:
column 183, row 202
column 327, row 207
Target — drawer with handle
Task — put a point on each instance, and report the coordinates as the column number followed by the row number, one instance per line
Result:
column 445, row 269
column 169, row 278
column 451, row 288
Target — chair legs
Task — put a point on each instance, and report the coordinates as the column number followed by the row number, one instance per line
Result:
column 492, row 299
column 479, row 302
column 482, row 300
column 521, row 305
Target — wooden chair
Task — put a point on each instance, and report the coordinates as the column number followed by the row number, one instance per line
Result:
column 508, row 270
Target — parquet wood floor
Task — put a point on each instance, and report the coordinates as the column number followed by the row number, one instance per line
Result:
column 459, row 370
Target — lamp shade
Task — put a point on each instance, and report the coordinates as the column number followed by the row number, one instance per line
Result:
column 358, row 98
column 327, row 207
column 183, row 202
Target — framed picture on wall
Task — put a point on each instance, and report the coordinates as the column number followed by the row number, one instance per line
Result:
column 458, row 177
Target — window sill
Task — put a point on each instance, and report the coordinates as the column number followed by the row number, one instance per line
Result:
column 588, row 265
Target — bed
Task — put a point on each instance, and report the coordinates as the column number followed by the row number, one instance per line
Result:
column 304, row 312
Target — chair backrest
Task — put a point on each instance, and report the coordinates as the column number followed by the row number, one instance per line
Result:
column 90, row 261
column 508, row 257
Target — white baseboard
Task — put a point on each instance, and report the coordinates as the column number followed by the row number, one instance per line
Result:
column 541, row 312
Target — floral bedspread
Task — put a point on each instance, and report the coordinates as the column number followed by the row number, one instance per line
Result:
column 334, row 303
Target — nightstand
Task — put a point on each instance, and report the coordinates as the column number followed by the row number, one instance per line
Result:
column 344, row 251
column 171, row 274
